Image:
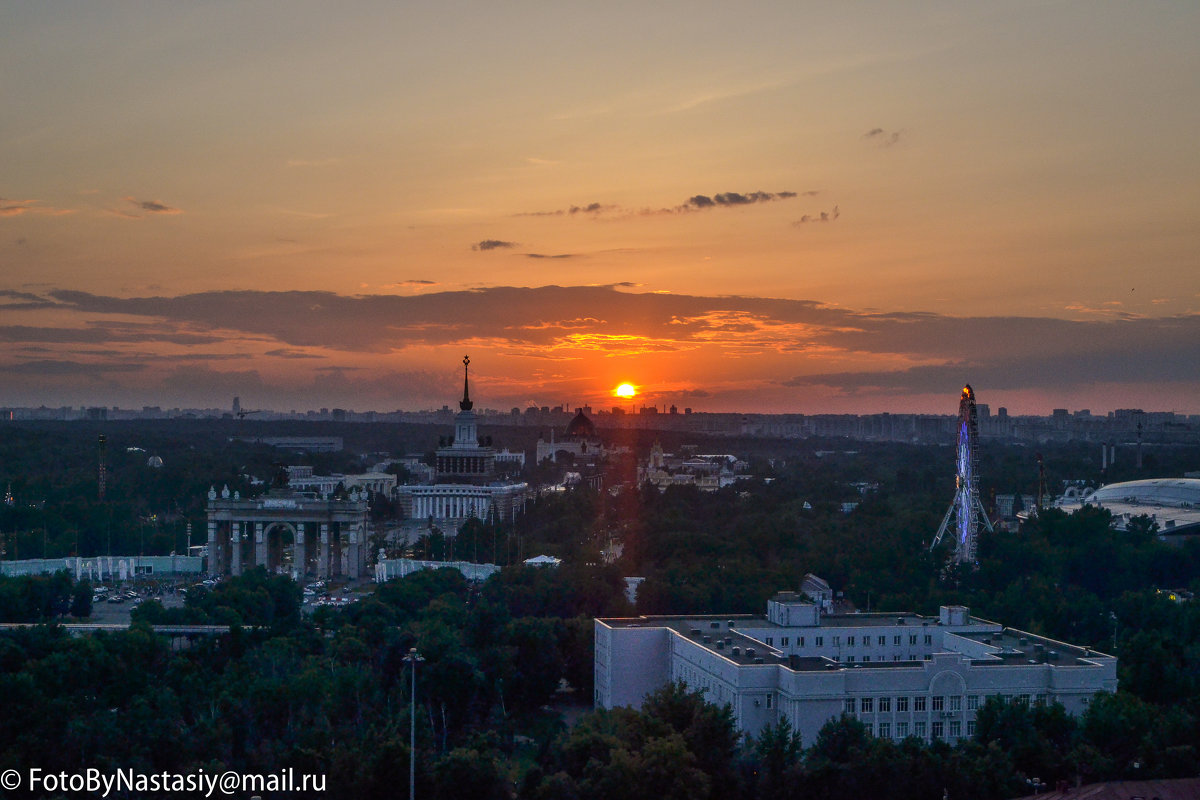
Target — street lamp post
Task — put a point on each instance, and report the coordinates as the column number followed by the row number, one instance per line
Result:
column 412, row 658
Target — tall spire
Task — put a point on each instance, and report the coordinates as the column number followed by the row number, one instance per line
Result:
column 465, row 404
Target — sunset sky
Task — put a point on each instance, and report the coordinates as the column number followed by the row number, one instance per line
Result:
column 774, row 207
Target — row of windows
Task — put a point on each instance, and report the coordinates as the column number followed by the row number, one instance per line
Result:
column 953, row 703
column 819, row 641
column 895, row 657
column 939, row 729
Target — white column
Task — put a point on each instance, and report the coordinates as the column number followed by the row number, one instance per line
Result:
column 260, row 545
column 235, row 546
column 214, row 550
column 323, row 564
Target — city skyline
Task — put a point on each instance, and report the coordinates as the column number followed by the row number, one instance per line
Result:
column 783, row 208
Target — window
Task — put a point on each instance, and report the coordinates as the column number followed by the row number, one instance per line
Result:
column 770, row 701
column 770, row 641
column 955, row 729
column 866, row 658
column 784, row 641
column 918, row 704
column 885, row 730
column 849, row 705
column 820, row 641
column 850, row 659
column 956, row 704
column 800, row 641
column 885, row 705
column 971, row 728
column 901, row 730
column 902, row 704
column 882, row 641
column 837, row 641
column 896, row 640
column 867, row 704
column 896, row 657
column 939, row 703
column 912, row 639
column 972, row 702
column 938, row 730
column 928, row 638
column 919, row 729
column 849, row 641
column 870, row 729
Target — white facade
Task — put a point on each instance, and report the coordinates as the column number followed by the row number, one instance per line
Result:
column 900, row 674
column 302, row 479
column 459, row 502
column 386, row 569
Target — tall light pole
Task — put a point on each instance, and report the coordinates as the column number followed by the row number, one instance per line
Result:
column 412, row 658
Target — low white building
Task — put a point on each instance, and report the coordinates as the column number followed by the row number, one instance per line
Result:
column 901, row 674
column 302, row 479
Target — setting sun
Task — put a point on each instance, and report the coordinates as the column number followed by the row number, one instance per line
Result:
column 625, row 390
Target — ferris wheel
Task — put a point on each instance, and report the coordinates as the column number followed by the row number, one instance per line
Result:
column 966, row 509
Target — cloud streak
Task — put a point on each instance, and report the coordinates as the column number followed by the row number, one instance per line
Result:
column 493, row 244
column 697, row 202
column 882, row 137
column 151, row 207
column 793, row 345
column 824, row 216
column 571, row 211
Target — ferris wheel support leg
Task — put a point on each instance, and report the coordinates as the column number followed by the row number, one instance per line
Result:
column 945, row 523
column 983, row 515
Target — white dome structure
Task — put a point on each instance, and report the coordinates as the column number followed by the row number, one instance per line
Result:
column 1172, row 503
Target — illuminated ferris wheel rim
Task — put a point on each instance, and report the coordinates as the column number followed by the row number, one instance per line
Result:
column 966, row 508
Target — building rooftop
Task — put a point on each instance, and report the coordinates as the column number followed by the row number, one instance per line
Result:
column 725, row 635
column 1174, row 503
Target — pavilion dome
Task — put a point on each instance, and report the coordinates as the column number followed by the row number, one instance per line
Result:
column 580, row 427
column 1177, row 492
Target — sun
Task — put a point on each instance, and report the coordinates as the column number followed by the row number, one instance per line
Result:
column 625, row 390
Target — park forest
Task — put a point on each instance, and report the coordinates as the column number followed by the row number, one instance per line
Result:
column 329, row 692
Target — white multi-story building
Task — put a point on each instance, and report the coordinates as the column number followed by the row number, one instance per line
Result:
column 901, row 674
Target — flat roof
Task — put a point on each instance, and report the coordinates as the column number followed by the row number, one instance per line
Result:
column 1013, row 647
column 721, row 621
column 1008, row 646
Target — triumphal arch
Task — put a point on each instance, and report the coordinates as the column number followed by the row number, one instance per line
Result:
column 300, row 534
